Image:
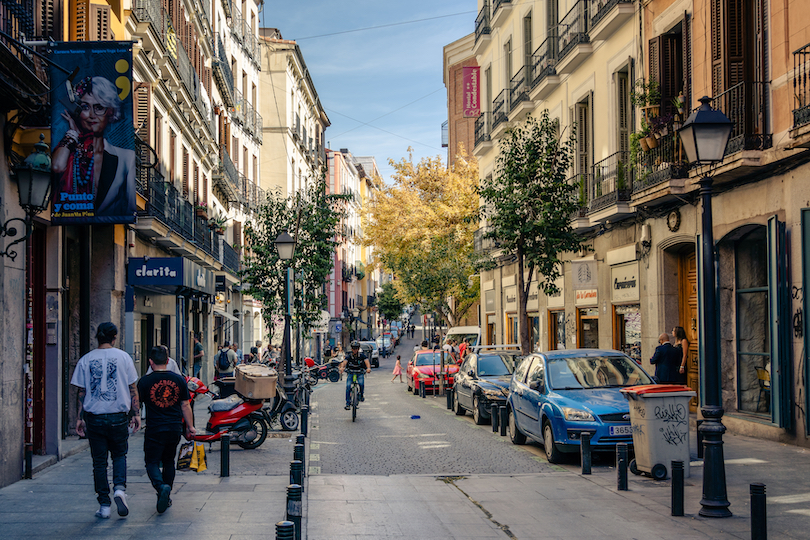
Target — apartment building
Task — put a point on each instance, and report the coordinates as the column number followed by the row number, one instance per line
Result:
column 186, row 77
column 626, row 75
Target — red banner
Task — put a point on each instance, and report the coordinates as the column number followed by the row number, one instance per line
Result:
column 472, row 91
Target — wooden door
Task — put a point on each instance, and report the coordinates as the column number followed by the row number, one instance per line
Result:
column 688, row 303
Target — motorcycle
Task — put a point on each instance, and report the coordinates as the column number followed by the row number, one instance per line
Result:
column 247, row 420
column 327, row 370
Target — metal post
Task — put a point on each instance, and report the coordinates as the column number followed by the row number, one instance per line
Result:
column 494, row 413
column 502, row 420
column 585, row 451
column 289, row 385
column 294, row 508
column 759, row 514
column 449, row 400
column 677, row 487
column 299, row 439
column 699, row 440
column 285, row 530
column 621, row 466
column 422, row 389
column 304, row 420
column 715, row 501
column 298, row 454
column 297, row 473
column 224, row 455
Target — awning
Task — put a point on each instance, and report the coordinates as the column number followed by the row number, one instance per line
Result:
column 225, row 314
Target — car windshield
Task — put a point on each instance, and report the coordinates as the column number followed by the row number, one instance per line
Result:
column 428, row 359
column 594, row 372
column 493, row 365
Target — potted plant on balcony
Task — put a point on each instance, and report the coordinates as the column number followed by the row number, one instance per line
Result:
column 647, row 97
column 647, row 133
column 679, row 104
column 621, row 182
column 201, row 210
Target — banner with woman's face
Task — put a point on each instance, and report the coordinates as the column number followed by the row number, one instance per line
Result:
column 93, row 136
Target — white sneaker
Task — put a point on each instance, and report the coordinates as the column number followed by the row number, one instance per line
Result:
column 120, row 498
column 103, row 512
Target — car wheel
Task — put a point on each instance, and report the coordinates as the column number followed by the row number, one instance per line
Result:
column 514, row 432
column 478, row 414
column 457, row 408
column 553, row 453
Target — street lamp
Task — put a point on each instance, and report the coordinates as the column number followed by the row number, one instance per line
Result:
column 285, row 245
column 705, row 135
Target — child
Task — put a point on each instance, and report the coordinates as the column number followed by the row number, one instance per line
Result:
column 397, row 370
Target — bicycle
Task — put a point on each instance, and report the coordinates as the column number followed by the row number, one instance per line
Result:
column 355, row 392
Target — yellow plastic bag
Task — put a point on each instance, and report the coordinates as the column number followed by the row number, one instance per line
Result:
column 198, row 458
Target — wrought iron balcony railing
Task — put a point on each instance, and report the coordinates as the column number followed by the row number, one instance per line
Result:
column 544, row 60
column 230, row 257
column 221, row 68
column 499, row 108
column 238, row 107
column 573, row 28
column 746, row 105
column 498, row 3
column 599, row 8
column 609, row 181
column 237, row 25
column 660, row 164
column 483, row 126
column 482, row 24
column 151, row 11
column 801, row 86
column 518, row 89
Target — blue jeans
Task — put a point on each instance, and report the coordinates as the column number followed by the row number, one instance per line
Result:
column 197, row 368
column 361, row 379
column 159, row 449
column 108, row 433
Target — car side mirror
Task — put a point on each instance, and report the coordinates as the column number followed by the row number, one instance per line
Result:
column 536, row 386
column 471, row 373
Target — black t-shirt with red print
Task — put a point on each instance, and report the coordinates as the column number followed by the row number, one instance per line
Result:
column 163, row 393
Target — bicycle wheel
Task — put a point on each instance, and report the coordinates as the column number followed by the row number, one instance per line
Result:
column 355, row 401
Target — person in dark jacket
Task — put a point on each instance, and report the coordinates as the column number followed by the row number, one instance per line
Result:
column 667, row 360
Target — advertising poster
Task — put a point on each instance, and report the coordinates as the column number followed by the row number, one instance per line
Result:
column 472, row 91
column 93, row 157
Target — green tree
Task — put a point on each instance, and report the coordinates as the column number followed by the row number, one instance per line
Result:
column 528, row 205
column 311, row 216
column 388, row 302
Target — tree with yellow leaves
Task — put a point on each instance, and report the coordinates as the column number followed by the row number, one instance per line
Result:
column 422, row 229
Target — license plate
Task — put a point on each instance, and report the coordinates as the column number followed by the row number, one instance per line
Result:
column 621, row 430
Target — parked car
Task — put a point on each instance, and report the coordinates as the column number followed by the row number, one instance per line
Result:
column 384, row 346
column 370, row 349
column 482, row 381
column 557, row 396
column 424, row 368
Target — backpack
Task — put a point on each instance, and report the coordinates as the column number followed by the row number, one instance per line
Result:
column 223, row 364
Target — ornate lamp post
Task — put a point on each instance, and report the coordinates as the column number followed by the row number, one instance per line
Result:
column 285, row 245
column 705, row 135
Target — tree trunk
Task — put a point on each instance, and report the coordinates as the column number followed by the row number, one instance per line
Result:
column 523, row 298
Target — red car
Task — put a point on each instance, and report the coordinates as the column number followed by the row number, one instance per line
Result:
column 425, row 368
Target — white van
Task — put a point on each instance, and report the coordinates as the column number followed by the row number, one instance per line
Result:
column 470, row 334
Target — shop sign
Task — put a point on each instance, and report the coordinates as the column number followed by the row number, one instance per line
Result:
column 510, row 298
column 586, row 297
column 624, row 282
column 155, row 271
column 472, row 91
column 533, row 301
column 489, row 301
column 558, row 300
column 583, row 274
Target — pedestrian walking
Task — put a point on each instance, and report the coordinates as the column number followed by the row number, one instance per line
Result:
column 166, row 398
column 107, row 404
column 171, row 366
column 199, row 354
column 397, row 370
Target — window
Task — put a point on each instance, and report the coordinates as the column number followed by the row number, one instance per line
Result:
column 536, row 373
column 523, row 367
column 588, row 328
column 488, row 85
column 507, row 62
column 627, row 330
column 172, row 156
column 527, row 42
column 556, row 330
column 582, row 118
column 512, row 335
column 623, row 111
column 737, row 43
column 491, row 334
column 197, row 182
column 667, row 67
column 185, row 173
column 534, row 330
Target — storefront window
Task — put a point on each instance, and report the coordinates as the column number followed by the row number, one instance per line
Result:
column 627, row 330
column 556, row 330
column 588, row 328
column 534, row 331
column 511, row 328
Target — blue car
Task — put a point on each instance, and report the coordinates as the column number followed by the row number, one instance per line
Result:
column 557, row 396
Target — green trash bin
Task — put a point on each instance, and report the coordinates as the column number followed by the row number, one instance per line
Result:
column 659, row 419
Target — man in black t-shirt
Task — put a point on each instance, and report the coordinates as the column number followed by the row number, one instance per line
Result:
column 166, row 397
column 357, row 362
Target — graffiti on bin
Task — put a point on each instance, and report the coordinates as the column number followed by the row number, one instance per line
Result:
column 640, row 410
column 672, row 435
column 671, row 414
column 637, row 428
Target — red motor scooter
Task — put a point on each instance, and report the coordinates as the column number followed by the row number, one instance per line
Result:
column 247, row 420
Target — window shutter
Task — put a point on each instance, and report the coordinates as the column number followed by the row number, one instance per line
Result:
column 185, row 173
column 205, row 189
column 718, row 81
column 172, row 156
column 143, row 107
column 197, row 182
column 237, row 235
column 100, row 23
column 623, row 111
column 687, row 60
column 80, row 20
column 735, row 47
column 583, row 136
column 527, row 41
column 666, row 68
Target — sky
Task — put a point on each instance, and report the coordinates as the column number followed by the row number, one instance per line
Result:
column 381, row 88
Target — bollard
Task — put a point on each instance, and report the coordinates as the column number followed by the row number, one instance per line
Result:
column 299, row 439
column 759, row 514
column 621, row 466
column 699, row 440
column 285, row 530
column 585, row 450
column 502, row 420
column 676, row 470
column 298, row 454
column 422, row 389
column 304, row 418
column 449, row 395
column 297, row 473
column 294, row 508
column 495, row 413
column 225, row 456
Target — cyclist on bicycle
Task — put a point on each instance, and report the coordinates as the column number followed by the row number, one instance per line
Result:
column 355, row 361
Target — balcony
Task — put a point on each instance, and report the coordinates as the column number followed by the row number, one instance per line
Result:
column 237, row 25
column 483, row 243
column 519, row 102
column 190, row 79
column 573, row 41
column 544, row 69
column 801, row 97
column 230, row 258
column 609, row 189
column 483, row 31
column 150, row 12
column 238, row 109
column 607, row 16
column 483, row 126
column 500, row 107
column 227, row 7
column 746, row 105
column 579, row 219
column 226, row 178
column 221, row 68
column 500, row 11
column 659, row 174
column 259, row 128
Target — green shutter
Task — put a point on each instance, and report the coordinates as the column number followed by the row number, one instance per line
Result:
column 779, row 299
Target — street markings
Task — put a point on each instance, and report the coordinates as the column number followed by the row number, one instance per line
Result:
column 314, row 457
column 790, row 499
column 315, row 446
column 740, row 461
column 411, row 436
column 803, row 512
column 433, row 445
column 314, row 470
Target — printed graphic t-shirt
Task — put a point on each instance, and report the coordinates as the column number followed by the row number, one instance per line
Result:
column 106, row 375
column 163, row 393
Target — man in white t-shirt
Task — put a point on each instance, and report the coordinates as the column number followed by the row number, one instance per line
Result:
column 108, row 404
